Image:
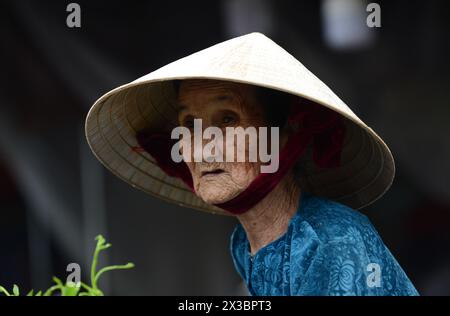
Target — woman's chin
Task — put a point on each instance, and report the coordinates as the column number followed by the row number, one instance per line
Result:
column 216, row 195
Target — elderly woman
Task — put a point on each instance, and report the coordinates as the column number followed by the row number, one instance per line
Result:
column 299, row 232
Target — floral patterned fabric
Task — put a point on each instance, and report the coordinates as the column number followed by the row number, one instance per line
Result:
column 328, row 249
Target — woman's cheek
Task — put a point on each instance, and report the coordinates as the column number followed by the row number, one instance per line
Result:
column 244, row 173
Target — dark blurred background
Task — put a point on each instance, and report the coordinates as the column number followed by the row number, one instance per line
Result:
column 55, row 196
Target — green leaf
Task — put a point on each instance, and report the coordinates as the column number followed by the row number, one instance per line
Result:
column 30, row 293
column 71, row 289
column 57, row 281
column 85, row 286
column 4, row 291
column 52, row 289
column 16, row 290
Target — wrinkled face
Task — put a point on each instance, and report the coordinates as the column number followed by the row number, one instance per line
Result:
column 220, row 104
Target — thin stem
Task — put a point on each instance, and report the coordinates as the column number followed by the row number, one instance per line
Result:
column 98, row 248
column 50, row 291
column 86, row 287
column 110, row 268
column 93, row 267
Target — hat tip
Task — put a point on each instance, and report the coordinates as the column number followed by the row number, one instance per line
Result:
column 256, row 34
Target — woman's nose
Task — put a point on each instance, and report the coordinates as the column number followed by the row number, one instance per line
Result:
column 207, row 147
column 213, row 149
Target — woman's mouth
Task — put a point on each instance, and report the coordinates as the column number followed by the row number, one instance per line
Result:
column 212, row 173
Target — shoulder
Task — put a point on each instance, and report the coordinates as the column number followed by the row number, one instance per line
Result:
column 333, row 221
column 349, row 252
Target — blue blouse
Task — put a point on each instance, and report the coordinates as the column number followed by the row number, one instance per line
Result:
column 328, row 249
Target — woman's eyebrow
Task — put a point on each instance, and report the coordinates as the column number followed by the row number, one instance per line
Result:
column 223, row 97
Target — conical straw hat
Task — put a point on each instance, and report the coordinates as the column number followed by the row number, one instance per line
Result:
column 367, row 167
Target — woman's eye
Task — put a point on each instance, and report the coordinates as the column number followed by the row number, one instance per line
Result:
column 188, row 122
column 228, row 119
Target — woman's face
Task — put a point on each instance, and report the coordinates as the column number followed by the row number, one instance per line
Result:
column 220, row 104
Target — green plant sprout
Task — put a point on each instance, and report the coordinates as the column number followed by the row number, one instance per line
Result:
column 80, row 289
